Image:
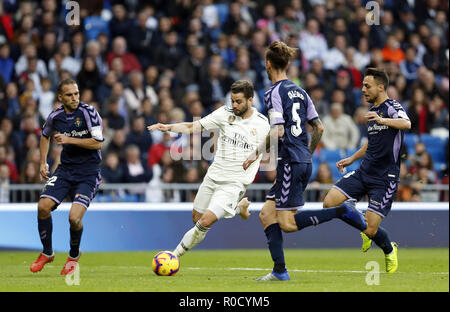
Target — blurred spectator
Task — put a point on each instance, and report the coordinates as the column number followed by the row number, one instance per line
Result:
column 334, row 57
column 46, row 98
column 136, row 92
column 12, row 169
column 140, row 38
column 117, row 144
column 29, row 175
column 135, row 170
column 435, row 59
column 340, row 130
column 5, row 182
column 119, row 50
column 289, row 24
column 115, row 119
column 168, row 54
column 192, row 68
column 312, row 43
column 6, row 63
column 215, row 85
column 93, row 50
column 419, row 113
column 379, row 33
column 343, row 83
column 89, row 76
column 120, row 24
column 67, row 61
column 362, row 54
column 392, row 51
column 139, row 136
column 323, row 176
column 30, row 53
column 111, row 170
column 439, row 112
column 409, row 67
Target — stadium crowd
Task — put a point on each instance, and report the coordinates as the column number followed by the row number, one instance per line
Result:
column 141, row 62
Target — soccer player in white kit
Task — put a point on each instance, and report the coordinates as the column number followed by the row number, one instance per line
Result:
column 241, row 130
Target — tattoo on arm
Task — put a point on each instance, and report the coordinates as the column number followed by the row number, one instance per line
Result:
column 316, row 134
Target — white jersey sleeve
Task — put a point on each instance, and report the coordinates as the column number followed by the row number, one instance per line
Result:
column 216, row 119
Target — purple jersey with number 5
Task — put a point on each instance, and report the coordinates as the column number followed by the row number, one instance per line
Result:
column 289, row 105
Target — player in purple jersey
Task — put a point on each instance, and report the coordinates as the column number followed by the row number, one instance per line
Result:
column 78, row 128
column 290, row 108
column 378, row 175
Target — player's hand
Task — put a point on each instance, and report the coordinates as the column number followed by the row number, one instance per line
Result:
column 373, row 116
column 249, row 161
column 43, row 170
column 159, row 126
column 61, row 138
column 341, row 164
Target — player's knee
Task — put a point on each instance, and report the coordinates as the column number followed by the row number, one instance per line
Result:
column 44, row 209
column 74, row 220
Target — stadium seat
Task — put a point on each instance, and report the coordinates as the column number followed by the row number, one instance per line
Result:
column 335, row 171
column 430, row 140
column 410, row 141
column 437, row 153
column 331, row 155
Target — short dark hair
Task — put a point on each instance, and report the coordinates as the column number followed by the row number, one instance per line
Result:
column 63, row 83
column 379, row 75
column 243, row 86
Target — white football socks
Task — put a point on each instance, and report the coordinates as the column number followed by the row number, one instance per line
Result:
column 192, row 238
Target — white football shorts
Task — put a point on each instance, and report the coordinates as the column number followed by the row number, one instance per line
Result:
column 219, row 197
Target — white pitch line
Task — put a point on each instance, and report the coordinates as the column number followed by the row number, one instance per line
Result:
column 307, row 271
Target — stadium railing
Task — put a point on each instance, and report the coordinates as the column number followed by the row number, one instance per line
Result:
column 184, row 192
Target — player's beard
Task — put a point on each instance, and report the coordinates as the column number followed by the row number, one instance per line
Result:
column 239, row 113
column 71, row 106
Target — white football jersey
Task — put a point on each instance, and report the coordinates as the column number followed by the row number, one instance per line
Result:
column 238, row 138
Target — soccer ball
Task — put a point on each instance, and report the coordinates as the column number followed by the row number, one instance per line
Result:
column 165, row 263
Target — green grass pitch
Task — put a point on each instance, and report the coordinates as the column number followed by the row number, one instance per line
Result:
column 311, row 270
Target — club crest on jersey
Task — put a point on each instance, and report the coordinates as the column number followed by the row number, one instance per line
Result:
column 253, row 132
column 231, row 118
column 78, row 122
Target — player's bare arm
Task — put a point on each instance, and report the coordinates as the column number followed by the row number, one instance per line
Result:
column 396, row 123
column 350, row 160
column 43, row 147
column 316, row 134
column 88, row 143
column 274, row 134
column 181, row 127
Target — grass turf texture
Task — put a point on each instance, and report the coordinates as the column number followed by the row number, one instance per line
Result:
column 232, row 271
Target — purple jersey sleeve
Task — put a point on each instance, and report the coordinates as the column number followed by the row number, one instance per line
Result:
column 395, row 110
column 311, row 112
column 47, row 128
column 274, row 106
column 94, row 122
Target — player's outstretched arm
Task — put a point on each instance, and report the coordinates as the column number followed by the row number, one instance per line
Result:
column 181, row 127
column 396, row 123
column 316, row 134
column 350, row 160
